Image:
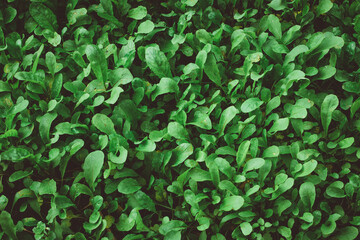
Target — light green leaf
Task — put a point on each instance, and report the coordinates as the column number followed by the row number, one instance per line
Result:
column 242, row 152
column 128, row 186
column 157, row 62
column 166, row 85
column 138, row 13
column 307, row 194
column 45, row 124
column 254, row 164
column 280, row 124
column 251, row 104
column 115, row 94
column 98, row 62
column 177, row 131
column 103, row 123
column 246, row 228
column 226, row 116
column 273, row 104
column 201, row 120
column 346, row 143
column 92, row 167
column 328, row 106
column 146, row 146
column 324, row 6
column 146, row 27
column 275, row 26
column 232, row 203
column 181, row 153
column 211, row 69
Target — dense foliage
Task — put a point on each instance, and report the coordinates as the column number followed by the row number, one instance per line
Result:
column 180, row 119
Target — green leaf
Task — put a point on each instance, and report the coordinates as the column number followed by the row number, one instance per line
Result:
column 8, row 225
column 226, row 116
column 280, row 124
column 328, row 106
column 50, row 61
column 273, row 104
column 181, row 153
column 47, row 187
column 43, row 16
column 146, row 146
column 98, row 62
column 146, row 27
column 15, row 154
column 177, row 131
column 307, row 194
column 246, row 228
column 120, row 76
column 324, row 6
column 103, row 123
column 250, row 105
column 128, row 186
column 138, row 13
column 201, row 120
column 277, row 5
column 347, row 233
column 232, row 203
column 275, row 26
column 157, row 62
column 242, row 152
column 141, row 200
column 166, row 85
column 325, row 72
column 307, row 168
column 346, row 143
column 254, row 164
column 45, row 125
column 211, row 69
column 92, row 167
column 19, row 175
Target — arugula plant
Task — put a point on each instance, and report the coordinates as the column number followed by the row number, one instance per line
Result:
column 191, row 119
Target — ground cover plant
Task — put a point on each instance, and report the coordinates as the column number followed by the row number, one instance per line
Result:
column 179, row 119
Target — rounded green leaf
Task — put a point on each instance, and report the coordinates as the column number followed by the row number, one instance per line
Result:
column 103, row 123
column 128, row 186
column 92, row 166
column 251, row 104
